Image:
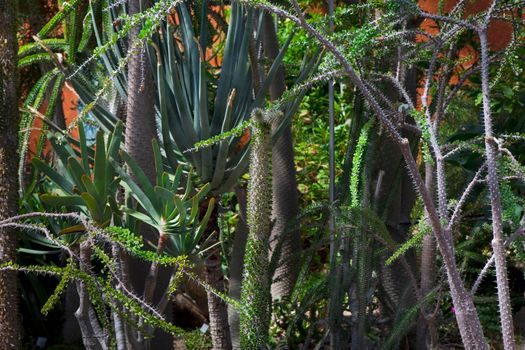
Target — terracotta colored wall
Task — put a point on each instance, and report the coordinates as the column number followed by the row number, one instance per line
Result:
column 499, row 32
column 70, row 106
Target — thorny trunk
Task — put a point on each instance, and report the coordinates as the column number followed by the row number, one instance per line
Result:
column 140, row 118
column 255, row 295
column 426, row 326
column 284, row 186
column 217, row 308
column 491, row 151
column 118, row 323
column 140, row 130
column 9, row 312
column 466, row 314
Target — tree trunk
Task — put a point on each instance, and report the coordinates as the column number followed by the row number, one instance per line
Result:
column 217, row 308
column 140, row 118
column 284, row 184
column 140, row 131
column 426, row 327
column 9, row 311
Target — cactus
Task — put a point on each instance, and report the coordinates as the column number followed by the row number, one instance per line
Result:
column 255, row 295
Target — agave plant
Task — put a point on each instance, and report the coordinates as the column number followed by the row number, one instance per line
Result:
column 84, row 177
column 175, row 216
column 183, row 81
column 187, row 116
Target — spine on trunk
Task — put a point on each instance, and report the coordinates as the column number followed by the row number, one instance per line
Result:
column 255, row 295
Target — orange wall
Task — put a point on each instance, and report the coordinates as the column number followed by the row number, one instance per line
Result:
column 499, row 32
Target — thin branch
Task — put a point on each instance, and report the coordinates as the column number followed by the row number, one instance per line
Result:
column 464, row 196
column 495, row 199
column 519, row 232
column 448, row 19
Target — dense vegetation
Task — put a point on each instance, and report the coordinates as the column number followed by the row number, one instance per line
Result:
column 252, row 175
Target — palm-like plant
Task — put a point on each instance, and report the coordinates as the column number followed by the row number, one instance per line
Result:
column 174, row 216
column 62, row 51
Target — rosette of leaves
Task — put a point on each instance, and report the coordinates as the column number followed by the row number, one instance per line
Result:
column 190, row 112
column 83, row 177
column 174, row 215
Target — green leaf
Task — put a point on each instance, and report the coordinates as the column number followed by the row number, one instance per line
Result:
column 99, row 168
column 58, row 179
column 206, row 218
column 137, row 193
column 181, row 209
column 76, row 172
column 33, row 47
column 159, row 169
column 34, row 59
column 83, row 148
column 58, row 201
column 38, row 252
column 142, row 217
column 143, row 181
column 148, row 24
column 68, row 6
column 95, row 208
column 92, row 190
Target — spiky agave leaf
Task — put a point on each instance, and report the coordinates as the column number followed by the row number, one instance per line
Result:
column 186, row 116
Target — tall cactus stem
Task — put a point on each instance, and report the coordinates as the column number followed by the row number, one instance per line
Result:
column 491, row 153
column 255, row 294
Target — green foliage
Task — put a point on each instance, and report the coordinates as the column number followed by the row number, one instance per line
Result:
column 310, row 125
column 195, row 340
column 357, row 163
column 203, row 115
column 85, row 177
column 423, row 125
column 59, row 290
column 193, row 118
column 171, row 214
column 422, row 229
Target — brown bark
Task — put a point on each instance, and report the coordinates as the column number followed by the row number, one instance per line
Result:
column 140, row 118
column 9, row 119
column 284, row 185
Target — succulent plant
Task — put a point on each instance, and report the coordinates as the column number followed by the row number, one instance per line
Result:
column 183, row 80
column 84, row 178
column 174, row 215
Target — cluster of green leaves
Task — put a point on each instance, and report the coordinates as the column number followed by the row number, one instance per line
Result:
column 84, row 177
